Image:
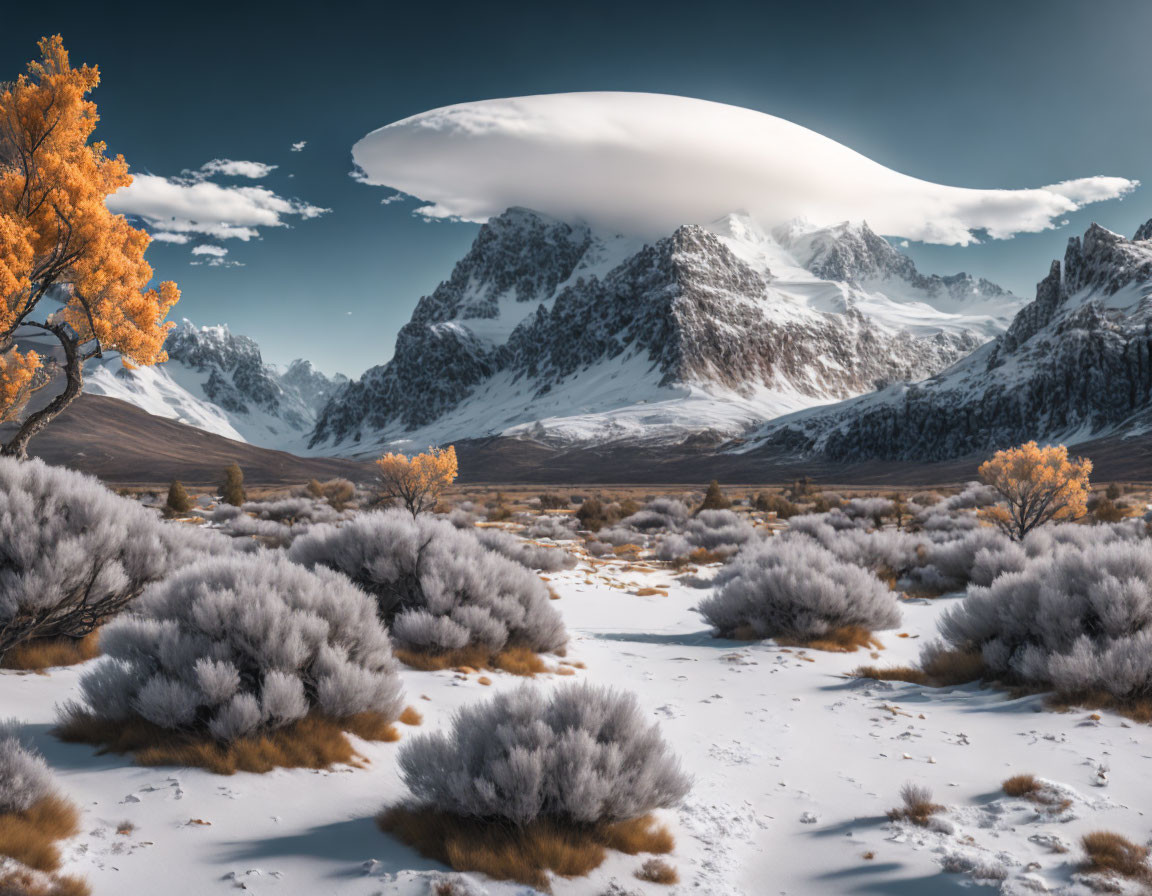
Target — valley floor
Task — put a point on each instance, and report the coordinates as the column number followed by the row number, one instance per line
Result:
column 795, row 766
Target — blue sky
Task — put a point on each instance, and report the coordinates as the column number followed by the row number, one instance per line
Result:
column 978, row 94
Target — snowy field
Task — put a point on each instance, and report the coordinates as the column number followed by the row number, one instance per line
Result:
column 795, row 764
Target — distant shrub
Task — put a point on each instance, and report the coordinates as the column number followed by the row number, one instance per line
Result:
column 714, row 498
column 178, row 500
column 876, row 510
column 673, row 547
column 437, row 587
column 531, row 556
column 591, row 514
column 1077, row 620
column 549, row 501
column 556, row 528
column 714, row 529
column 232, row 491
column 339, row 493
column 796, row 590
column 294, row 510
column 73, row 554
column 231, row 648
column 598, row 548
column 771, row 502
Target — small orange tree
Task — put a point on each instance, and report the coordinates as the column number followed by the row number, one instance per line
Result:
column 58, row 241
column 1038, row 485
column 417, row 481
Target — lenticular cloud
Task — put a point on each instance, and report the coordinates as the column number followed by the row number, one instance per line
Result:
column 645, row 163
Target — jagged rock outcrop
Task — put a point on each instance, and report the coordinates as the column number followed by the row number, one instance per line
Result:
column 544, row 319
column 1076, row 363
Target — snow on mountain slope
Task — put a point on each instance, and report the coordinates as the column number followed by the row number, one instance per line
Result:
column 1075, row 363
column 217, row 381
column 553, row 330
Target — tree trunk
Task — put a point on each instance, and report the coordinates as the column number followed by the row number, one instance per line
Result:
column 74, row 385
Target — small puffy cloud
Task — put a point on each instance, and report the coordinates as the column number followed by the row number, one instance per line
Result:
column 235, row 168
column 176, row 208
column 646, row 163
column 214, row 256
column 395, row 197
column 177, row 238
column 299, row 147
column 218, row 251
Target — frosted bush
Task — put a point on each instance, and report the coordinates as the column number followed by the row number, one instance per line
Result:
column 531, row 556
column 222, row 513
column 673, row 547
column 872, row 509
column 236, row 645
column 951, row 563
column 557, row 528
column 618, row 536
column 598, row 548
column 713, row 529
column 579, row 755
column 659, row 513
column 73, row 554
column 795, row 589
column 1076, row 620
column 463, row 519
column 25, row 778
column 292, row 510
column 437, row 587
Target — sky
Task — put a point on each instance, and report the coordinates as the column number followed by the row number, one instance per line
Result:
column 980, row 94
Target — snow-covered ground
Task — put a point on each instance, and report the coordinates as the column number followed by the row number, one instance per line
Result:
column 795, row 765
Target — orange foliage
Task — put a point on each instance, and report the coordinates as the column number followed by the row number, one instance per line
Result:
column 1039, row 485
column 57, row 236
column 417, row 481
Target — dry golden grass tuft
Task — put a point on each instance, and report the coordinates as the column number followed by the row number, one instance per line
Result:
column 484, row 680
column 1021, row 785
column 313, row 742
column 657, row 871
column 1138, row 709
column 411, row 717
column 47, row 653
column 917, row 807
column 30, row 836
column 952, row 667
column 528, row 854
column 846, row 639
column 24, row 882
column 649, row 592
column 703, row 557
column 514, row 660
column 1109, row 853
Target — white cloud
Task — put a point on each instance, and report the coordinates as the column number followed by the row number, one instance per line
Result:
column 395, row 197
column 234, row 168
column 177, row 207
column 178, row 238
column 646, row 163
column 218, row 251
column 299, row 147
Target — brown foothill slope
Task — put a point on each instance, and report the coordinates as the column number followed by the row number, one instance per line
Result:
column 124, row 445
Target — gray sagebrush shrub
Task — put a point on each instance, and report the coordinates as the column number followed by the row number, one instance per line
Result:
column 660, row 513
column 436, row 587
column 555, row 528
column 1076, row 620
column 872, row 509
column 578, row 755
column 673, row 547
column 234, row 645
column 73, row 554
column 715, row 529
column 25, row 778
column 794, row 588
column 294, row 510
column 530, row 556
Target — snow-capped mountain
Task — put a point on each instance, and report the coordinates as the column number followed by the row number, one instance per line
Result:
column 218, row 381
column 553, row 330
column 1075, row 364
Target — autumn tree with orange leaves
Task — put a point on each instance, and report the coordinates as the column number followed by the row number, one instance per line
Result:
column 417, row 481
column 60, row 246
column 1038, row 485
